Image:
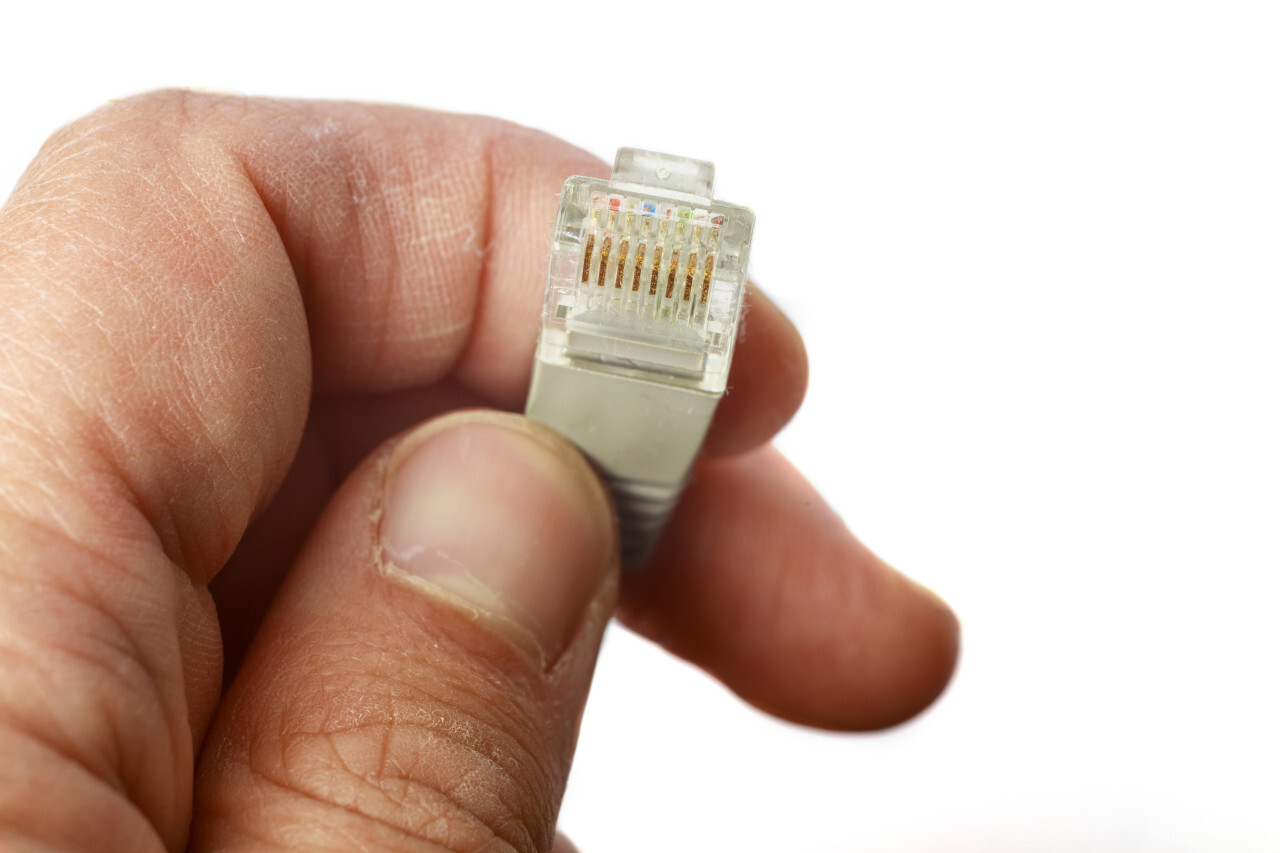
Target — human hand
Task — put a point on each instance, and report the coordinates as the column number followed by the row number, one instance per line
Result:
column 213, row 309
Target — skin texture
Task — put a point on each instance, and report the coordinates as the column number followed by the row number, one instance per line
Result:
column 220, row 315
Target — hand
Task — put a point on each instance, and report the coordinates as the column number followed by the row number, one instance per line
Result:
column 213, row 309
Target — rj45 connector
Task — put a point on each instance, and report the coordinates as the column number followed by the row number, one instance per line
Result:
column 644, row 293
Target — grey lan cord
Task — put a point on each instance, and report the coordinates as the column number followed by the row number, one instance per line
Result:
column 644, row 293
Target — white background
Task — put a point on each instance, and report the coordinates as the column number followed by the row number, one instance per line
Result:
column 1035, row 250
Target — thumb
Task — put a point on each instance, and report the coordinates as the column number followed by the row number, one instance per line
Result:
column 420, row 678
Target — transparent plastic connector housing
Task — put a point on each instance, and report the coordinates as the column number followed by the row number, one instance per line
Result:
column 644, row 292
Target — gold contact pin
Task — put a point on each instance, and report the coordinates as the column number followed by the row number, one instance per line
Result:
column 653, row 277
column 671, row 273
column 586, row 257
column 688, row 275
column 622, row 263
column 604, row 260
column 706, row 278
column 635, row 281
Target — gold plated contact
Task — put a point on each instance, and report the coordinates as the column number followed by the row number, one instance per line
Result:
column 622, row 260
column 586, row 258
column 604, row 260
column 674, row 235
column 635, row 282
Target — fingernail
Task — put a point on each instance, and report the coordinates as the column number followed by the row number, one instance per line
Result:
column 501, row 517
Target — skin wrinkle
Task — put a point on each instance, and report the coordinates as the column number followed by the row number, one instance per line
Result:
column 178, row 157
column 391, row 267
column 35, row 524
column 329, row 805
column 496, row 756
column 446, row 192
column 508, row 718
column 109, row 768
column 484, row 272
column 300, row 256
column 397, row 788
column 437, row 192
column 434, row 801
column 508, row 306
column 158, row 515
column 237, row 474
column 424, row 722
column 390, row 302
column 116, row 654
column 359, row 253
column 127, row 654
column 235, row 471
column 121, row 811
column 59, row 745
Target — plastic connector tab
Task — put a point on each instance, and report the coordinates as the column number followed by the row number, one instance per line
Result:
column 644, row 293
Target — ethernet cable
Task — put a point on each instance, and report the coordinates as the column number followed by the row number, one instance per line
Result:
column 644, row 294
